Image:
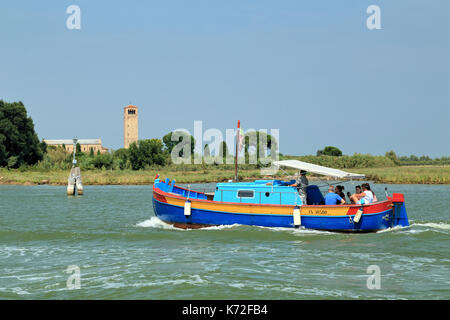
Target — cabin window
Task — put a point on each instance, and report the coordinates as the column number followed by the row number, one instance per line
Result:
column 246, row 193
column 267, row 194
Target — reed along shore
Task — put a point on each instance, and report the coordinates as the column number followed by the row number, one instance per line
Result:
column 391, row 175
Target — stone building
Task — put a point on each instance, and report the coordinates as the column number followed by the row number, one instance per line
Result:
column 130, row 125
column 85, row 144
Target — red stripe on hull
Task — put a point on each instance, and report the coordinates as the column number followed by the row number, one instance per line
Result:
column 159, row 197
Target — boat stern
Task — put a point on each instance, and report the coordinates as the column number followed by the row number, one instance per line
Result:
column 400, row 214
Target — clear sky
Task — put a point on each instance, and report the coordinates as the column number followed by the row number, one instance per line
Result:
column 311, row 69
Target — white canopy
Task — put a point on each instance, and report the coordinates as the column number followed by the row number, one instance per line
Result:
column 309, row 167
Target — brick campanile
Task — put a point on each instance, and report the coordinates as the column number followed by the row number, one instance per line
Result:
column 130, row 125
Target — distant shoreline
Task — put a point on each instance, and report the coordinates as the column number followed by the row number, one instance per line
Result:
column 390, row 175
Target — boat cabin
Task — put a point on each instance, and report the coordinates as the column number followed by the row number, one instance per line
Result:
column 256, row 192
column 265, row 192
column 259, row 192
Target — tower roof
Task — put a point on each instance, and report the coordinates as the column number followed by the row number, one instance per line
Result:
column 130, row 106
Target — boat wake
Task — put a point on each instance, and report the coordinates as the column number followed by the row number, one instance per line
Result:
column 437, row 227
column 440, row 225
column 155, row 222
column 420, row 227
column 393, row 229
column 299, row 231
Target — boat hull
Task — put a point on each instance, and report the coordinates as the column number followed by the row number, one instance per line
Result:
column 204, row 213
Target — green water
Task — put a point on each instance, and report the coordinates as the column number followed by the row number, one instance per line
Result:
column 124, row 252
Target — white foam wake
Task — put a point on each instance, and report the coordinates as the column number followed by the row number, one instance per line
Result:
column 221, row 227
column 411, row 228
column 396, row 228
column 440, row 225
column 298, row 231
column 155, row 222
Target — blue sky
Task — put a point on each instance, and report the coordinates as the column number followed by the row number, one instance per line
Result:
column 311, row 69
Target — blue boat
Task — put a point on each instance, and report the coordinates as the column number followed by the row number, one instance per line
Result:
column 274, row 203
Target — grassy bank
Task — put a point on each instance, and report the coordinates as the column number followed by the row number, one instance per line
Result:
column 401, row 174
column 130, row 177
column 409, row 174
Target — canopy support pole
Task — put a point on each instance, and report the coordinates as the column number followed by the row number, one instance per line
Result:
column 237, row 148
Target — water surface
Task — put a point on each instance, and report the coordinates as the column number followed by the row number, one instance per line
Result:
column 124, row 252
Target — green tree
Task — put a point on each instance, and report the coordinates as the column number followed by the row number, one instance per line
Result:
column 121, row 158
column 146, row 153
column 392, row 155
column 206, row 152
column 43, row 146
column 223, row 152
column 258, row 140
column 330, row 151
column 78, row 148
column 104, row 160
column 12, row 162
column 3, row 152
column 19, row 143
column 56, row 158
column 169, row 144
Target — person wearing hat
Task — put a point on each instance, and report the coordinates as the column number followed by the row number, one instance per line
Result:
column 302, row 183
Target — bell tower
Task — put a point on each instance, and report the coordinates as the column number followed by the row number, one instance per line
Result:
column 130, row 125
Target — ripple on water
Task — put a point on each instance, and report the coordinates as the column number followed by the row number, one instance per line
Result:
column 124, row 251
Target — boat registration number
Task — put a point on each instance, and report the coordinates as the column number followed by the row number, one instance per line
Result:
column 317, row 211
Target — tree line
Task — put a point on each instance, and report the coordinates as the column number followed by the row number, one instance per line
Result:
column 142, row 154
column 19, row 143
column 21, row 148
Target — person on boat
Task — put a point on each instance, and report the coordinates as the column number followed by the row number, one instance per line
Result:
column 333, row 198
column 365, row 197
column 302, row 183
column 373, row 193
column 340, row 191
column 357, row 191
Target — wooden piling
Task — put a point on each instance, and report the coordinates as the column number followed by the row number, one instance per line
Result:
column 74, row 182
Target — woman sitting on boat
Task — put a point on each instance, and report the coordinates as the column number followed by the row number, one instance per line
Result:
column 365, row 197
column 374, row 196
column 340, row 191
